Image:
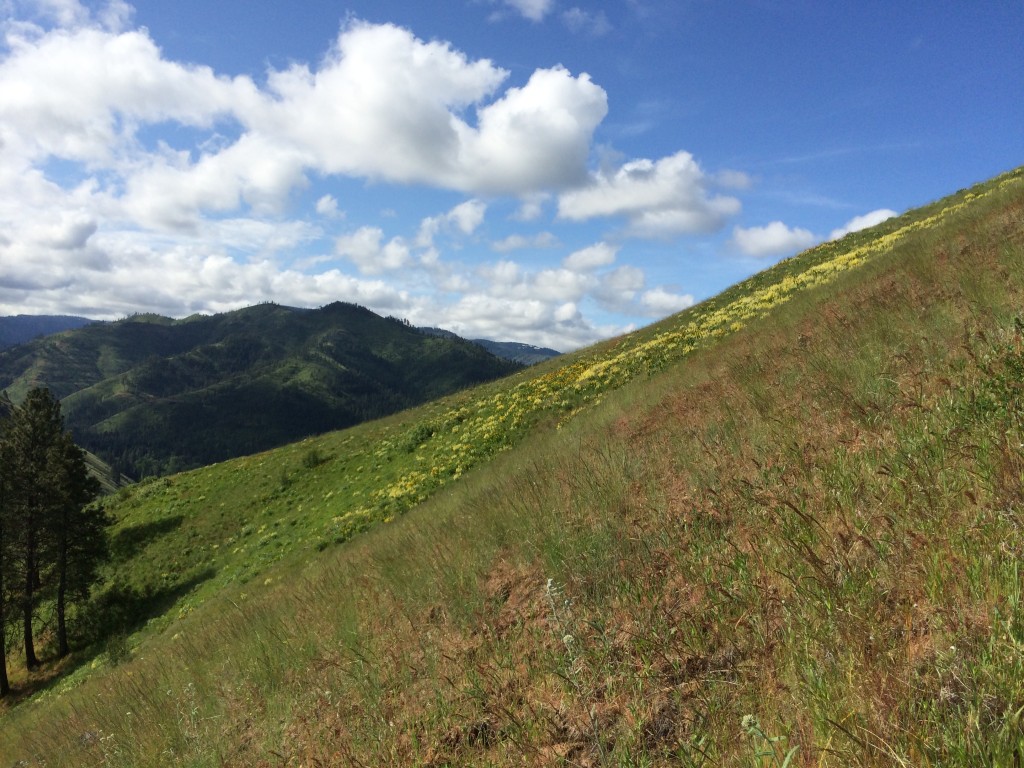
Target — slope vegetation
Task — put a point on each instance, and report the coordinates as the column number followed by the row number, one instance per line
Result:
column 781, row 528
column 152, row 395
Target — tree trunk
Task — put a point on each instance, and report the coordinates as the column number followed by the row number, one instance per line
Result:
column 5, row 685
column 31, row 660
column 62, row 581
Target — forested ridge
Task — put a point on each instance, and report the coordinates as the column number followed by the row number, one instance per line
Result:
column 152, row 395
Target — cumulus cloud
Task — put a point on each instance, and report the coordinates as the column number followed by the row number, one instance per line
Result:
column 531, row 207
column 774, row 239
column 71, row 233
column 520, row 242
column 662, row 198
column 122, row 273
column 858, row 223
column 382, row 87
column 464, row 217
column 560, row 326
column 372, row 256
column 590, row 258
column 130, row 181
column 327, row 206
column 619, row 288
column 659, row 302
column 83, row 93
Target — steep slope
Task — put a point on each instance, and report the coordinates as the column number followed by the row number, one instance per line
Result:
column 781, row 528
column 152, row 395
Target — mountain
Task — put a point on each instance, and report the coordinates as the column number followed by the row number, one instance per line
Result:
column 527, row 354
column 18, row 329
column 780, row 528
column 152, row 395
column 517, row 352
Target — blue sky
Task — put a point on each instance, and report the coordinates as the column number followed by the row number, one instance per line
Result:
column 544, row 171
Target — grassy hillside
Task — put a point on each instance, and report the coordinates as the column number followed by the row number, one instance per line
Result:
column 781, row 528
column 152, row 395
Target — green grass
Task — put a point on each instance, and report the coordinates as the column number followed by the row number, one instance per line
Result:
column 782, row 528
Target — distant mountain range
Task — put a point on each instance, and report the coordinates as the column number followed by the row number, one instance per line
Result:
column 527, row 354
column 152, row 395
column 21, row 328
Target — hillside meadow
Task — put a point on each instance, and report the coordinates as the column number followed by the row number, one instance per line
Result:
column 783, row 528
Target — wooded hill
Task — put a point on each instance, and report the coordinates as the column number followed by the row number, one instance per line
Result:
column 18, row 329
column 152, row 395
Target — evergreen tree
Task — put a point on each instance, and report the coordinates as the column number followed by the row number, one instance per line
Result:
column 76, row 533
column 53, row 540
column 5, row 685
column 32, row 432
column 6, row 408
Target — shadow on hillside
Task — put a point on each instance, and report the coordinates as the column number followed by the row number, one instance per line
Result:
column 101, row 632
column 128, row 541
column 121, row 610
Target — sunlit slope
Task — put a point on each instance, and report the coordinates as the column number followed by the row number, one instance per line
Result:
column 229, row 520
column 787, row 519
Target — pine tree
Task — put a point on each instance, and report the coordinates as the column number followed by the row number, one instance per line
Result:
column 6, row 408
column 5, row 685
column 32, row 432
column 76, row 532
column 54, row 541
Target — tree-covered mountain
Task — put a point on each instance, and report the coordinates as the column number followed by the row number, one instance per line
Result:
column 517, row 352
column 152, row 395
column 21, row 328
column 527, row 354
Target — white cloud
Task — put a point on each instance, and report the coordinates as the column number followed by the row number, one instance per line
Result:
column 82, row 94
column 586, row 22
column 383, row 87
column 659, row 302
column 728, row 179
column 129, row 181
column 121, row 273
column 520, row 242
column 590, row 258
column 619, row 288
column 858, row 223
column 561, row 326
column 773, row 239
column 327, row 206
column 533, row 138
column 72, row 233
column 662, row 198
column 367, row 250
column 468, row 216
column 465, row 218
column 534, row 10
column 531, row 207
